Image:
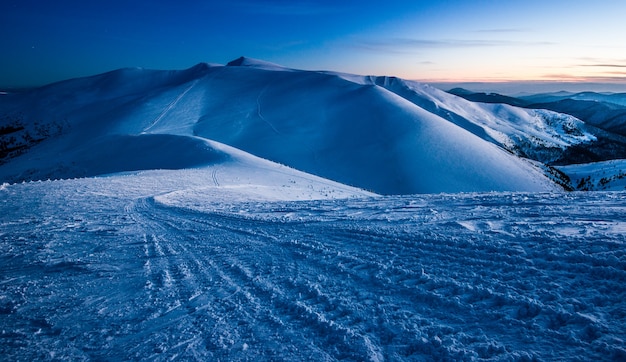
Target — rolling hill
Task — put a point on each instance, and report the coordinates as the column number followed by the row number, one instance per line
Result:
column 354, row 130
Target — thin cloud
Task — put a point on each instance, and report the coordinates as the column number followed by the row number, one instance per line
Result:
column 615, row 77
column 605, row 65
column 593, row 60
column 406, row 44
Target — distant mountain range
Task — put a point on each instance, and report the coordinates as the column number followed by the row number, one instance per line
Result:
column 383, row 134
column 605, row 111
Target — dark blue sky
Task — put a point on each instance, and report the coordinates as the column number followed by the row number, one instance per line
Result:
column 471, row 40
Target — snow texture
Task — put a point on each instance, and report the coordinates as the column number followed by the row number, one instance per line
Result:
column 157, row 265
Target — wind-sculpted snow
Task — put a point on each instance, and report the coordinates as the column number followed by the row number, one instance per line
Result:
column 120, row 268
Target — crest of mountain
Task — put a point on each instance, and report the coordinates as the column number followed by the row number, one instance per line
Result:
column 256, row 63
column 614, row 98
column 487, row 97
column 360, row 131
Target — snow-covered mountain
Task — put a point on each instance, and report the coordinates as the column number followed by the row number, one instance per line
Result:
column 613, row 98
column 346, row 128
column 603, row 114
column 186, row 245
column 539, row 134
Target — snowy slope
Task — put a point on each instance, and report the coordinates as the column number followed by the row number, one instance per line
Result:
column 604, row 111
column 358, row 134
column 145, row 266
column 607, row 116
column 605, row 176
column 535, row 133
column 604, row 125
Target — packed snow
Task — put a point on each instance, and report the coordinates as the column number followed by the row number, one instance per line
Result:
column 156, row 265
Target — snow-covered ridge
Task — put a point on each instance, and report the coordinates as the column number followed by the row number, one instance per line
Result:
column 257, row 63
column 357, row 131
column 539, row 134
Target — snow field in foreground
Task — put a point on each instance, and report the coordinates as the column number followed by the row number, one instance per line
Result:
column 135, row 267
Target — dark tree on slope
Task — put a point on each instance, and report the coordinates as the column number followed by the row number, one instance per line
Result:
column 17, row 136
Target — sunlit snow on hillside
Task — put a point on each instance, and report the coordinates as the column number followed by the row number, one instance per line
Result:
column 330, row 125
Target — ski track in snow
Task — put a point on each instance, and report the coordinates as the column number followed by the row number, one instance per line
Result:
column 214, row 177
column 87, row 274
column 260, row 115
column 169, row 107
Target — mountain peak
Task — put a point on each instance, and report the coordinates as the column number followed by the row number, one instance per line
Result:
column 460, row 91
column 255, row 63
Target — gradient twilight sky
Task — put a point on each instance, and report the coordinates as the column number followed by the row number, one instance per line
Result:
column 453, row 40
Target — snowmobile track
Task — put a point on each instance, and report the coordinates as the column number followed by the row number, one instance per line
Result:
column 476, row 277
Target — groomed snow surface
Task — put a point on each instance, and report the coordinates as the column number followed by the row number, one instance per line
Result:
column 158, row 265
